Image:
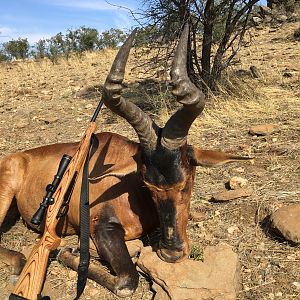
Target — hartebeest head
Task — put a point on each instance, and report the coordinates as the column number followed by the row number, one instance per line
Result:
column 167, row 161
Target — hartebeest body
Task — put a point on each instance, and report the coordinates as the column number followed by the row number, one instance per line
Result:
column 134, row 187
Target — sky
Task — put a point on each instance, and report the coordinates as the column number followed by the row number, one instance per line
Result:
column 37, row 19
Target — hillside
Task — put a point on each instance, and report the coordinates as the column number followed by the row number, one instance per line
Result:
column 41, row 103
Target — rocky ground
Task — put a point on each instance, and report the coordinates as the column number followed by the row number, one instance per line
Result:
column 41, row 103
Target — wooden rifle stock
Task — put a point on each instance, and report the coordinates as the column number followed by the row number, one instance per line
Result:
column 30, row 282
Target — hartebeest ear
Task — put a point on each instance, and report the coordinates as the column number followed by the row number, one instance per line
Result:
column 210, row 158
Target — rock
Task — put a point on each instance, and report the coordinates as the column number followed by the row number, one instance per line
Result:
column 281, row 18
column 232, row 194
column 45, row 92
column 296, row 284
column 239, row 170
column 134, row 247
column 237, row 182
column 12, row 279
column 160, row 293
column 263, row 129
column 245, row 147
column 197, row 216
column 257, row 20
column 49, row 119
column 21, row 123
column 233, row 229
column 255, row 72
column 217, row 277
column 286, row 220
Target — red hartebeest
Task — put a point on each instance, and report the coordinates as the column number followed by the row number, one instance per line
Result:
column 134, row 187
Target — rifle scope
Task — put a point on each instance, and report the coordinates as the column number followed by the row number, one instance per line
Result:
column 50, row 189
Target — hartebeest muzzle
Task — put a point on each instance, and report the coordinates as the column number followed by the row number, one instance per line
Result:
column 171, row 245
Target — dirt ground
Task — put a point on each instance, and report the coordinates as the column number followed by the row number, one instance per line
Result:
column 41, row 103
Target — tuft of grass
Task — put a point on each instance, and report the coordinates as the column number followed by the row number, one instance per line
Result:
column 196, row 253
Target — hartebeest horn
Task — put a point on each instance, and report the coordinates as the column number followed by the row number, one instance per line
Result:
column 145, row 128
column 175, row 132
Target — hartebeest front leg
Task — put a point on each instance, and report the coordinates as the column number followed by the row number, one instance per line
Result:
column 108, row 236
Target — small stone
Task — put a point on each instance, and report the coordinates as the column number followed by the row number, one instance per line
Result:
column 286, row 220
column 232, row 194
column 12, row 279
column 261, row 247
column 49, row 119
column 239, row 170
column 263, row 129
column 21, row 123
column 88, row 106
column 256, row 20
column 237, row 182
column 77, row 88
column 245, row 147
column 281, row 18
column 232, row 229
column 197, row 216
column 45, row 92
column 296, row 284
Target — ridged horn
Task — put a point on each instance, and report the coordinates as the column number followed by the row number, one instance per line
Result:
column 174, row 134
column 145, row 128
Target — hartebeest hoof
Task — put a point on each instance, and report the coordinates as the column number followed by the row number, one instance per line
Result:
column 14, row 259
column 125, row 286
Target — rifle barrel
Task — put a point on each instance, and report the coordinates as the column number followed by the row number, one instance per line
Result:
column 97, row 110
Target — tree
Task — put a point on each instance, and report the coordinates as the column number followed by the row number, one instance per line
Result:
column 220, row 25
column 3, row 56
column 18, row 49
column 40, row 49
column 111, row 38
column 88, row 38
column 82, row 39
column 57, row 47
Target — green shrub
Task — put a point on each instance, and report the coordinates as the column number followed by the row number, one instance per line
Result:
column 196, row 253
column 18, row 49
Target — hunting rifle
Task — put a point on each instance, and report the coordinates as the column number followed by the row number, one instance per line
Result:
column 31, row 279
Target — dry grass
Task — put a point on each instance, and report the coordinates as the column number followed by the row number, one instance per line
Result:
column 41, row 103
